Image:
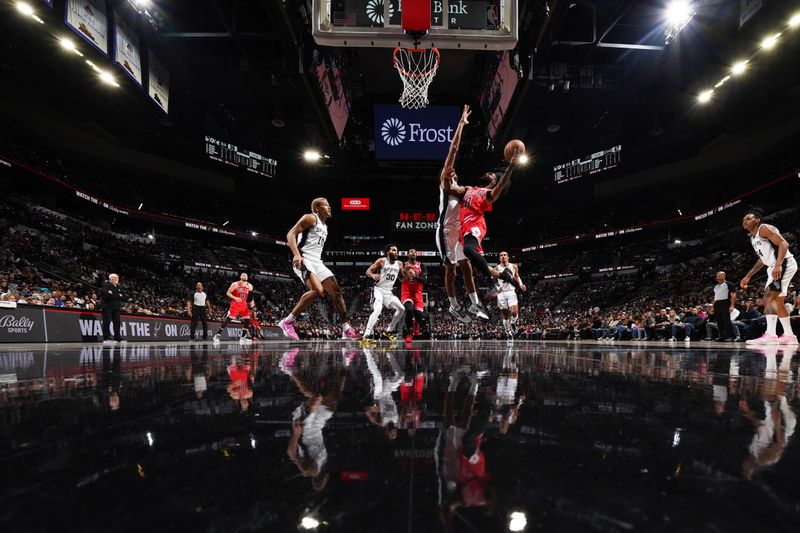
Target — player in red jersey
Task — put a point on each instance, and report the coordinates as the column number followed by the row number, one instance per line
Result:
column 413, row 278
column 474, row 204
column 238, row 293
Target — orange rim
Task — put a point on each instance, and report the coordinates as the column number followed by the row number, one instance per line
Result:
column 416, row 51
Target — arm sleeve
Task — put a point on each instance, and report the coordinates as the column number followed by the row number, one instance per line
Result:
column 423, row 273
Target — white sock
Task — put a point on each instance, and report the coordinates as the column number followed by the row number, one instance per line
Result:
column 345, row 325
column 289, row 318
column 513, row 319
column 772, row 322
column 453, row 383
column 473, row 297
column 787, row 326
column 453, row 302
column 473, row 386
column 506, row 324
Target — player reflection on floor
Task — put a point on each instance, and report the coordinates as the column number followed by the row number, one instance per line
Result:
column 460, row 462
column 240, row 372
column 306, row 446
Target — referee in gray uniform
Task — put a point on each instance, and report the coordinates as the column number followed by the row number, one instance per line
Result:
column 198, row 307
column 724, row 303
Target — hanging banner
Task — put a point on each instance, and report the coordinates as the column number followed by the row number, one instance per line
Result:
column 158, row 83
column 126, row 49
column 88, row 19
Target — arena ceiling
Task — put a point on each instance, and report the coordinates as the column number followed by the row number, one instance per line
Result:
column 593, row 75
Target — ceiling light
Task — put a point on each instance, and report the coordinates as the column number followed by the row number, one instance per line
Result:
column 795, row 20
column 25, row 8
column 253, row 233
column 770, row 41
column 67, row 44
column 517, row 521
column 678, row 14
column 677, row 241
column 93, row 66
column 705, row 96
column 309, row 522
column 141, row 204
column 721, row 82
column 278, row 123
column 523, row 159
column 739, row 67
column 311, row 155
column 107, row 78
column 226, row 223
column 142, row 4
column 150, row 236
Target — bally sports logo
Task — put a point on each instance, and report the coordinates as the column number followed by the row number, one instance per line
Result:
column 355, row 204
column 11, row 324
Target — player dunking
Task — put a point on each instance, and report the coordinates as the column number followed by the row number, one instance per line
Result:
column 306, row 241
column 238, row 293
column 773, row 252
column 448, row 243
column 475, row 202
column 507, row 295
column 414, row 277
column 385, row 271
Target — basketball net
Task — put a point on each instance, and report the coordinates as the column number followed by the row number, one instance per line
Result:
column 417, row 67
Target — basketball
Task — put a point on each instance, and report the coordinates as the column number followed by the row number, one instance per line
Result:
column 508, row 151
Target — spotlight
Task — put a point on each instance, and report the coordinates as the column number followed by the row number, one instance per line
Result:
column 25, row 9
column 226, row 223
column 67, row 44
column 739, row 67
column 150, row 439
column 142, row 4
column 517, row 521
column 309, row 522
column 312, row 155
column 677, row 241
column 523, row 159
column 108, row 78
column 722, row 82
column 705, row 96
column 150, row 236
column 678, row 13
column 770, row 42
column 93, row 66
column 141, row 204
column 794, row 21
column 253, row 233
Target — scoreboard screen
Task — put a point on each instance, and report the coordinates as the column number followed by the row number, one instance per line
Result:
column 232, row 155
column 591, row 164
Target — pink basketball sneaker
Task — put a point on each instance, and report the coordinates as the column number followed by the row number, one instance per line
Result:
column 349, row 333
column 288, row 329
column 787, row 339
column 766, row 339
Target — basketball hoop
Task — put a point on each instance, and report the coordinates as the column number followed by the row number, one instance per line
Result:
column 417, row 67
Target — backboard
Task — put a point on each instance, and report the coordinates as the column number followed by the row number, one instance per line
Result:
column 458, row 24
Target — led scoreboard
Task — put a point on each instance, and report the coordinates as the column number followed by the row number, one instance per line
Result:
column 231, row 155
column 591, row 164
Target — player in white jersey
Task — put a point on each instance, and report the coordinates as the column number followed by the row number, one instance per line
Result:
column 306, row 240
column 385, row 271
column 773, row 252
column 507, row 295
column 384, row 412
column 450, row 248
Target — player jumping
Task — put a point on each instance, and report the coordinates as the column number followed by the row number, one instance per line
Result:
column 448, row 242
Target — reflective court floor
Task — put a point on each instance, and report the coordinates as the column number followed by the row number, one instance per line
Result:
column 434, row 436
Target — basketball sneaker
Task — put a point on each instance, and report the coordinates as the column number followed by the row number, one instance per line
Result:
column 349, row 333
column 389, row 335
column 288, row 329
column 479, row 311
column 460, row 315
column 767, row 339
column 787, row 339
